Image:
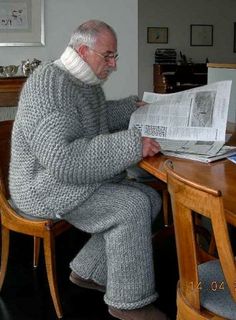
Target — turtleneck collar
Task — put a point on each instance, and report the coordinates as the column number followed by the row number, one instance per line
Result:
column 78, row 67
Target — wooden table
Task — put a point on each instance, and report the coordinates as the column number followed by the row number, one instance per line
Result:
column 220, row 175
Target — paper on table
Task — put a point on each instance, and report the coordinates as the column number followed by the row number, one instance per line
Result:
column 232, row 158
column 193, row 121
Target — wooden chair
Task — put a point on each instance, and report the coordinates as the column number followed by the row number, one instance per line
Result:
column 206, row 290
column 162, row 188
column 44, row 229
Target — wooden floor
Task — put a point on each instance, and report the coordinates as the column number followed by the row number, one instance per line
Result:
column 25, row 294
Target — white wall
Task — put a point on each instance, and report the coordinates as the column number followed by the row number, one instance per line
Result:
column 130, row 18
column 62, row 17
column 220, row 74
column 177, row 15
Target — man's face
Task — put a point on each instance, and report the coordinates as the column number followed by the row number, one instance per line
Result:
column 102, row 58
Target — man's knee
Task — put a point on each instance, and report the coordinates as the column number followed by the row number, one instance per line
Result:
column 138, row 207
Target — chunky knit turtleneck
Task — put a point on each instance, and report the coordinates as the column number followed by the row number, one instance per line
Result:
column 78, row 67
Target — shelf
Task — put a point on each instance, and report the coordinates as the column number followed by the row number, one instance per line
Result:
column 169, row 78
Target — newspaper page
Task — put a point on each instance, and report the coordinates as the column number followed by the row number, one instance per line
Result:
column 190, row 121
column 225, row 152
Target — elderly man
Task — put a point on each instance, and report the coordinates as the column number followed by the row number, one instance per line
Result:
column 70, row 151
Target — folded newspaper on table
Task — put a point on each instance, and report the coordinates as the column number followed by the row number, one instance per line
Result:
column 188, row 124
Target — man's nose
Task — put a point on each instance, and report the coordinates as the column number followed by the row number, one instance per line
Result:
column 112, row 62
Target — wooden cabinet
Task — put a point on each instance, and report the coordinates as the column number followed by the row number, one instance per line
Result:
column 168, row 78
column 10, row 90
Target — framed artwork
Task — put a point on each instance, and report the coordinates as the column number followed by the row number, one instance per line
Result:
column 201, row 35
column 22, row 23
column 157, row 35
column 234, row 36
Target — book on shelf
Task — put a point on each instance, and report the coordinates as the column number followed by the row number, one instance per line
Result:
column 165, row 56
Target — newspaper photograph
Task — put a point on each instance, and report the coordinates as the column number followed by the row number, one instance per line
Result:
column 190, row 121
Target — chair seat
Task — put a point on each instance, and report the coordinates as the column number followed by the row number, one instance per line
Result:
column 214, row 292
column 27, row 216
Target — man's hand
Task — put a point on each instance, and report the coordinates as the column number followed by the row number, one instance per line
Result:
column 150, row 147
column 141, row 103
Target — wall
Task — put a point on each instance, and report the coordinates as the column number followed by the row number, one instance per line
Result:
column 127, row 16
column 177, row 15
column 62, row 17
column 221, row 74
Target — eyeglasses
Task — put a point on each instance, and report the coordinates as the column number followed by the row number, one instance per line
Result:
column 107, row 56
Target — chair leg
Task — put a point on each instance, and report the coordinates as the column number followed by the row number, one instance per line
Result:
column 160, row 186
column 50, row 261
column 36, row 251
column 165, row 205
column 178, row 317
column 212, row 246
column 5, row 254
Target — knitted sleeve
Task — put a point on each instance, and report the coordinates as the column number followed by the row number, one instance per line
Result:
column 78, row 160
column 119, row 112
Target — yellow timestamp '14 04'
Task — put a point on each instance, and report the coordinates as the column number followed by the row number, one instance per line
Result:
column 213, row 285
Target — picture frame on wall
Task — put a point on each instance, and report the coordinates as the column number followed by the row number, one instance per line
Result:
column 22, row 23
column 157, row 35
column 234, row 36
column 201, row 35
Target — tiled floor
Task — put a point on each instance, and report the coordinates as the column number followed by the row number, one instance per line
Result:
column 25, row 294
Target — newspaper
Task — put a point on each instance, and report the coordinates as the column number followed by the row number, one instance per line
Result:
column 191, row 121
column 225, row 152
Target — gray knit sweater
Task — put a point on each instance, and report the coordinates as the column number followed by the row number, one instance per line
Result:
column 66, row 143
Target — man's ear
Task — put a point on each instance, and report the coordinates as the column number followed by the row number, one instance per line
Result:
column 82, row 51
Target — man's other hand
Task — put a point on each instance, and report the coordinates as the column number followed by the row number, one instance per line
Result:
column 150, row 147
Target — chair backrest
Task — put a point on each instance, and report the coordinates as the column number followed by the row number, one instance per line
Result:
column 5, row 149
column 188, row 199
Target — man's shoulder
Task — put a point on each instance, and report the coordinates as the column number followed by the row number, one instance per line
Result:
column 48, row 68
column 47, row 77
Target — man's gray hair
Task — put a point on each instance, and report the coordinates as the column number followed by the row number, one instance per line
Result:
column 88, row 32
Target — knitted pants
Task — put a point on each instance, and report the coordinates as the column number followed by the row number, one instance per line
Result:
column 119, row 252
